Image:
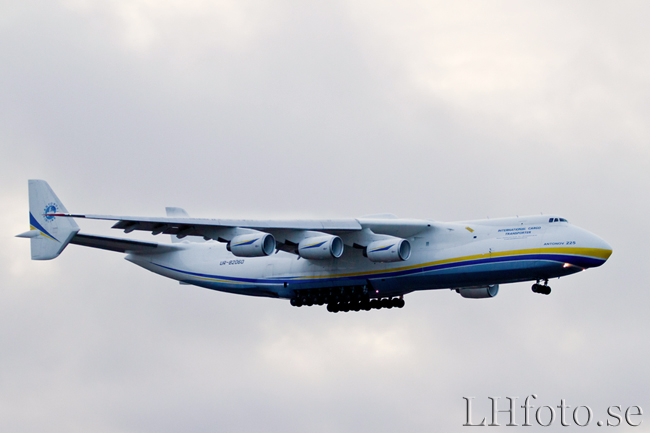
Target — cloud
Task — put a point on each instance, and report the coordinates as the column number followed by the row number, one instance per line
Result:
column 258, row 109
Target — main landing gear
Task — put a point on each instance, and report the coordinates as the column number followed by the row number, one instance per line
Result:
column 544, row 289
column 344, row 299
column 366, row 305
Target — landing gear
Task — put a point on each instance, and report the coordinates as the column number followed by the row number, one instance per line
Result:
column 543, row 289
column 295, row 302
column 344, row 299
column 366, row 305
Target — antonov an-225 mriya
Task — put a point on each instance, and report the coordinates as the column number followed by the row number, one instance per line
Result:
column 348, row 264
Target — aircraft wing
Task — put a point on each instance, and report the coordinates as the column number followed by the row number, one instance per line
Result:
column 359, row 232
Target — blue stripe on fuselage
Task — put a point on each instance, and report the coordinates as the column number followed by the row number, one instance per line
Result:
column 580, row 261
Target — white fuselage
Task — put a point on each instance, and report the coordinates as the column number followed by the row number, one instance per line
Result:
column 448, row 255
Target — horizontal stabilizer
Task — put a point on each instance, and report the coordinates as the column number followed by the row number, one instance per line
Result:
column 113, row 244
column 29, row 234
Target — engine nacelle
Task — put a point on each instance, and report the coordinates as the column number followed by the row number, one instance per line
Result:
column 479, row 292
column 321, row 247
column 252, row 245
column 389, row 250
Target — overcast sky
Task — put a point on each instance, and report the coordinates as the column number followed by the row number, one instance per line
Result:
column 270, row 109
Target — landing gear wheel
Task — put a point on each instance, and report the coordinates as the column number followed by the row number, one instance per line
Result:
column 333, row 308
column 364, row 304
column 541, row 288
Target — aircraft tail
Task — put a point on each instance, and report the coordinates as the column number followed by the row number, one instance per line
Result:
column 181, row 213
column 48, row 234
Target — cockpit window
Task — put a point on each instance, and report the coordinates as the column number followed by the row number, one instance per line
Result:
column 550, row 220
column 555, row 220
column 563, row 220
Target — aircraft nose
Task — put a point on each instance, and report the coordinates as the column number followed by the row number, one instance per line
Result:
column 595, row 249
column 605, row 246
column 602, row 249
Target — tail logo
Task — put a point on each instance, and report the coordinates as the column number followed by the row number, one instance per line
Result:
column 50, row 209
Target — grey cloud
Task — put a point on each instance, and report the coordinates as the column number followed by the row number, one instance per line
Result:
column 270, row 110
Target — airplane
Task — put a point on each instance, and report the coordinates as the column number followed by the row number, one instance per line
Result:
column 349, row 264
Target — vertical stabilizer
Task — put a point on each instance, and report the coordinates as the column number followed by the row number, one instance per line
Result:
column 178, row 212
column 48, row 234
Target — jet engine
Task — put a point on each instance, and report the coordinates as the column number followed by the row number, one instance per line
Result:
column 321, row 247
column 389, row 250
column 479, row 292
column 252, row 245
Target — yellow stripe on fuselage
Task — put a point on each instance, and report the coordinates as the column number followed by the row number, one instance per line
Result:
column 585, row 252
column 219, row 280
column 602, row 254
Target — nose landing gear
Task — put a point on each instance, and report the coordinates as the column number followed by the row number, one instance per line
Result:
column 543, row 289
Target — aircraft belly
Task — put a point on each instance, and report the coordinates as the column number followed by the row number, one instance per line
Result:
column 212, row 269
column 492, row 273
